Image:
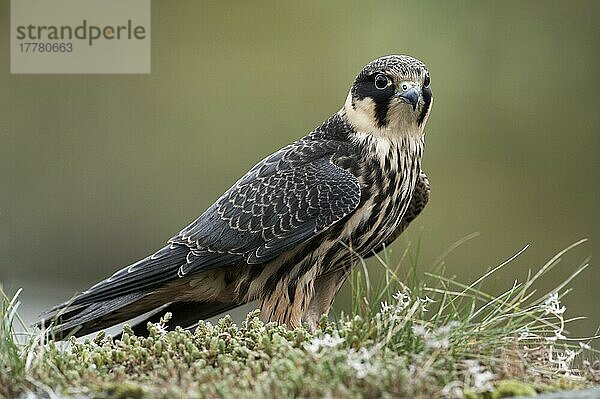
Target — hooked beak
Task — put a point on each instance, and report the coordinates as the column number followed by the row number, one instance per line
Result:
column 411, row 96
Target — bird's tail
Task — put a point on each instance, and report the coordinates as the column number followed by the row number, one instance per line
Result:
column 78, row 321
column 133, row 291
column 114, row 311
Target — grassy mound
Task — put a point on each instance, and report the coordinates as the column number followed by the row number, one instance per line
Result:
column 436, row 338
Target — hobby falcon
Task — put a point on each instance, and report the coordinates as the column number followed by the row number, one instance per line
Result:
column 289, row 231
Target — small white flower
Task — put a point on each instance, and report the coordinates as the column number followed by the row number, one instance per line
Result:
column 524, row 334
column 552, row 305
column 385, row 307
column 570, row 355
column 584, row 346
column 403, row 299
column 453, row 390
column 481, row 378
column 563, row 359
column 359, row 361
column 400, row 295
column 424, row 302
column 558, row 334
column 481, row 381
column 161, row 328
column 327, row 341
column 437, row 343
column 419, row 330
column 440, row 337
column 447, row 329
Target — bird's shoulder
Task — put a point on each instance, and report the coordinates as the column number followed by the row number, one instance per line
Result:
column 285, row 199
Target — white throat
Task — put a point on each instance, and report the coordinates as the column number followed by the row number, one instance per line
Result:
column 362, row 117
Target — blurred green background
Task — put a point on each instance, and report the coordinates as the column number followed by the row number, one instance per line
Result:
column 97, row 171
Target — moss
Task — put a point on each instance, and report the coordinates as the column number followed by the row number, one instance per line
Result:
column 504, row 389
column 120, row 391
column 409, row 346
column 512, row 388
column 509, row 388
column 256, row 359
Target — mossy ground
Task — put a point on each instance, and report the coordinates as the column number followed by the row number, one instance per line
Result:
column 430, row 340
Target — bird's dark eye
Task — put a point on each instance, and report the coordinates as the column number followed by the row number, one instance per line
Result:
column 381, row 81
column 426, row 81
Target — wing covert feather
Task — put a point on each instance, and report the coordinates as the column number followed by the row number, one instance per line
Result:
column 280, row 203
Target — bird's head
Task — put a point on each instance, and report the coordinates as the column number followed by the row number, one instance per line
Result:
column 390, row 96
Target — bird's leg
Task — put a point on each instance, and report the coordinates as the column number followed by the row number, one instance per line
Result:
column 326, row 287
column 288, row 302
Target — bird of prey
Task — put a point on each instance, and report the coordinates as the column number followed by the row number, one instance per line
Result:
column 289, row 231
